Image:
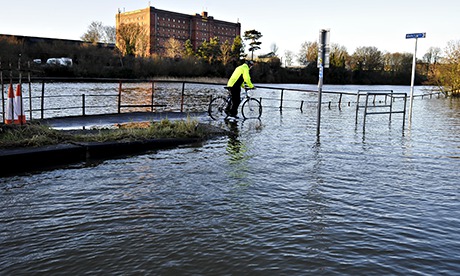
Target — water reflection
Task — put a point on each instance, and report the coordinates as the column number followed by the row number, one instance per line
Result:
column 238, row 156
column 235, row 147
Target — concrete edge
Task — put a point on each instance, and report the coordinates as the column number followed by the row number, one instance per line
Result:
column 25, row 160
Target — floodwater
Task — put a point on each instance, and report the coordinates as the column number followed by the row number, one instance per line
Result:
column 270, row 199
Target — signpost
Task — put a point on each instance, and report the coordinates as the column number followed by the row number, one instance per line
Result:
column 323, row 62
column 414, row 60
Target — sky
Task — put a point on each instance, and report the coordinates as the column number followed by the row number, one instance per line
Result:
column 287, row 23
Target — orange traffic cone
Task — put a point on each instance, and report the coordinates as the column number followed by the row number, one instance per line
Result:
column 9, row 117
column 19, row 117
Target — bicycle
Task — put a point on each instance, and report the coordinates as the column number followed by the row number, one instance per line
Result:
column 251, row 108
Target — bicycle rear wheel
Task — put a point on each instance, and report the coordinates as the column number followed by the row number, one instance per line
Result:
column 251, row 109
column 216, row 108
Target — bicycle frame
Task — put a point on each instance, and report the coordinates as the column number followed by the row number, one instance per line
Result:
column 250, row 107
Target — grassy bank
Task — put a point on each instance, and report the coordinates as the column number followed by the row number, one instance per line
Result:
column 36, row 135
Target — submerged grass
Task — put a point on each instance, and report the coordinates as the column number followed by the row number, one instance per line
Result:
column 35, row 135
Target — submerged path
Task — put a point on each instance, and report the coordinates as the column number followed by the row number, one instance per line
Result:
column 79, row 122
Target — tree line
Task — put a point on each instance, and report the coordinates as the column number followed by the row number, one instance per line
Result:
column 213, row 58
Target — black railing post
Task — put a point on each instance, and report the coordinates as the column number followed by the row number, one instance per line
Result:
column 182, row 98
column 3, row 89
column 119, row 96
column 30, row 91
column 153, row 95
column 83, row 104
column 42, row 105
column 282, row 96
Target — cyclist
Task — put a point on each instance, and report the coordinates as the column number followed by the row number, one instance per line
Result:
column 239, row 78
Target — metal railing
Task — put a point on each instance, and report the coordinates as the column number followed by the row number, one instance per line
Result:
column 387, row 104
column 85, row 102
column 39, row 102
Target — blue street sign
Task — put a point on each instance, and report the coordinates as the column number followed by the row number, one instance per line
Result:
column 416, row 35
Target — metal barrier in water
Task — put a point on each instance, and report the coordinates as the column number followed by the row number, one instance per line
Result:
column 389, row 97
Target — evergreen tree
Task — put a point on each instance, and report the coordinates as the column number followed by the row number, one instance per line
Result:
column 253, row 36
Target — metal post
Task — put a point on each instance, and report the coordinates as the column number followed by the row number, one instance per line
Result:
column 30, row 91
column 320, row 90
column 11, row 84
column 365, row 111
column 282, row 96
column 3, row 96
column 153, row 95
column 42, row 105
column 357, row 108
column 404, row 113
column 119, row 96
column 414, row 59
column 83, row 104
column 21, row 122
column 340, row 100
column 322, row 62
column 182, row 98
column 391, row 104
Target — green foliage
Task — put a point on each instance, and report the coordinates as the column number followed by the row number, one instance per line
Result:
column 209, row 51
column 237, row 49
column 253, row 36
column 188, row 48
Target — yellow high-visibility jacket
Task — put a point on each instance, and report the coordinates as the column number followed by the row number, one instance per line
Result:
column 240, row 76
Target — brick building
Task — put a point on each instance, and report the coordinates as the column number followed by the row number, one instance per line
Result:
column 163, row 25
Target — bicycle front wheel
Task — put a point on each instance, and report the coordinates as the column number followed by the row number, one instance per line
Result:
column 216, row 108
column 251, row 109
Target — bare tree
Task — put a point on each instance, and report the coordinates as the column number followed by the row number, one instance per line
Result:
column 288, row 57
column 94, row 33
column 174, row 48
column 225, row 52
column 367, row 58
column 274, row 49
column 433, row 55
column 110, row 34
column 450, row 71
column 431, row 58
column 132, row 39
column 97, row 32
column 397, row 62
column 308, row 53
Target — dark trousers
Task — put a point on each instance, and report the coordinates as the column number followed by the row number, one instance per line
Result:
column 236, row 99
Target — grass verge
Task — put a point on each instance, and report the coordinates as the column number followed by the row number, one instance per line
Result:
column 36, row 135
